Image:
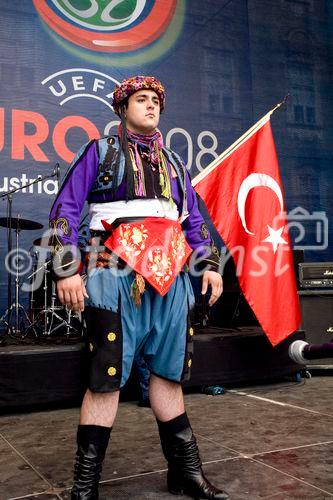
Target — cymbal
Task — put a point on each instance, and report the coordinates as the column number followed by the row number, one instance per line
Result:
column 18, row 223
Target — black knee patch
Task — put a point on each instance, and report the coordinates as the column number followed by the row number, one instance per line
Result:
column 186, row 374
column 105, row 344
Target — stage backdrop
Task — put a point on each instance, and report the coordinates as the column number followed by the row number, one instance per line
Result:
column 224, row 64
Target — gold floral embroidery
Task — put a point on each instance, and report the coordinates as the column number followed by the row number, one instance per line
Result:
column 204, row 231
column 178, row 245
column 59, row 224
column 159, row 264
column 133, row 239
column 215, row 250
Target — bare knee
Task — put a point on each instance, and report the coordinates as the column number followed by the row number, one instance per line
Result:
column 164, row 384
column 99, row 408
column 166, row 398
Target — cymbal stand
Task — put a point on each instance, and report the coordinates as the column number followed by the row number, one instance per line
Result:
column 19, row 309
column 20, row 314
column 63, row 321
column 8, row 311
column 9, row 196
column 32, row 291
column 48, row 313
column 46, row 272
column 44, row 311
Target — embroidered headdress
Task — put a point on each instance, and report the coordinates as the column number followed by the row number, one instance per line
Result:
column 129, row 141
column 133, row 84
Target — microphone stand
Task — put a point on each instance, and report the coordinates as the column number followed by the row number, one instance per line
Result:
column 9, row 196
column 301, row 351
column 55, row 173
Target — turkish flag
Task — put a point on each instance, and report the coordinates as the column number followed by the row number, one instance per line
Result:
column 243, row 195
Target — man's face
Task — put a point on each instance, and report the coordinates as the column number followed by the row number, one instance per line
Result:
column 143, row 112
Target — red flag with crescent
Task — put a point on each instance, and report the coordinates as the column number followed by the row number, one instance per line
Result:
column 242, row 191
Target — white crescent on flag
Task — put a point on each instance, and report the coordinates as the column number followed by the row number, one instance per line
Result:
column 250, row 182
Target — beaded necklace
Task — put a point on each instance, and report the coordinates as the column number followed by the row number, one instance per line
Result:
column 155, row 158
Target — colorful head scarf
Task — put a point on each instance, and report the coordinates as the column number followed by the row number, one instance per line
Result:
column 131, row 85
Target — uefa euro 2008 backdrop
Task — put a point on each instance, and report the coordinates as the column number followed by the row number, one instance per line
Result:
column 224, row 64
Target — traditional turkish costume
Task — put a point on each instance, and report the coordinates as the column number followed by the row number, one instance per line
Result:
column 144, row 224
column 145, row 307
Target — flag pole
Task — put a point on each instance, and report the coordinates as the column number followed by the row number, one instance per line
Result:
column 251, row 131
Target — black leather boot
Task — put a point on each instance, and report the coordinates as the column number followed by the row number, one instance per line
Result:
column 92, row 441
column 185, row 473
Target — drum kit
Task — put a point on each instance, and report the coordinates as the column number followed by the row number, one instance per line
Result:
column 46, row 315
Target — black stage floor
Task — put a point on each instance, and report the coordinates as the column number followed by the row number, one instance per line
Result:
column 35, row 371
column 259, row 442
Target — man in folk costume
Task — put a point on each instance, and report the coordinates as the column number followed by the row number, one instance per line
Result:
column 145, row 218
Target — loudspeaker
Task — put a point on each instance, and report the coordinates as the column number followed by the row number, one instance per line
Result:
column 222, row 356
column 232, row 309
column 317, row 319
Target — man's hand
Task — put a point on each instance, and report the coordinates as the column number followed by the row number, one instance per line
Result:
column 215, row 281
column 71, row 292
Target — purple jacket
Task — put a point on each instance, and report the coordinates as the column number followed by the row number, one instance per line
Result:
column 66, row 210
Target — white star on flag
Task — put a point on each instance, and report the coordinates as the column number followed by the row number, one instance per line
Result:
column 275, row 237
